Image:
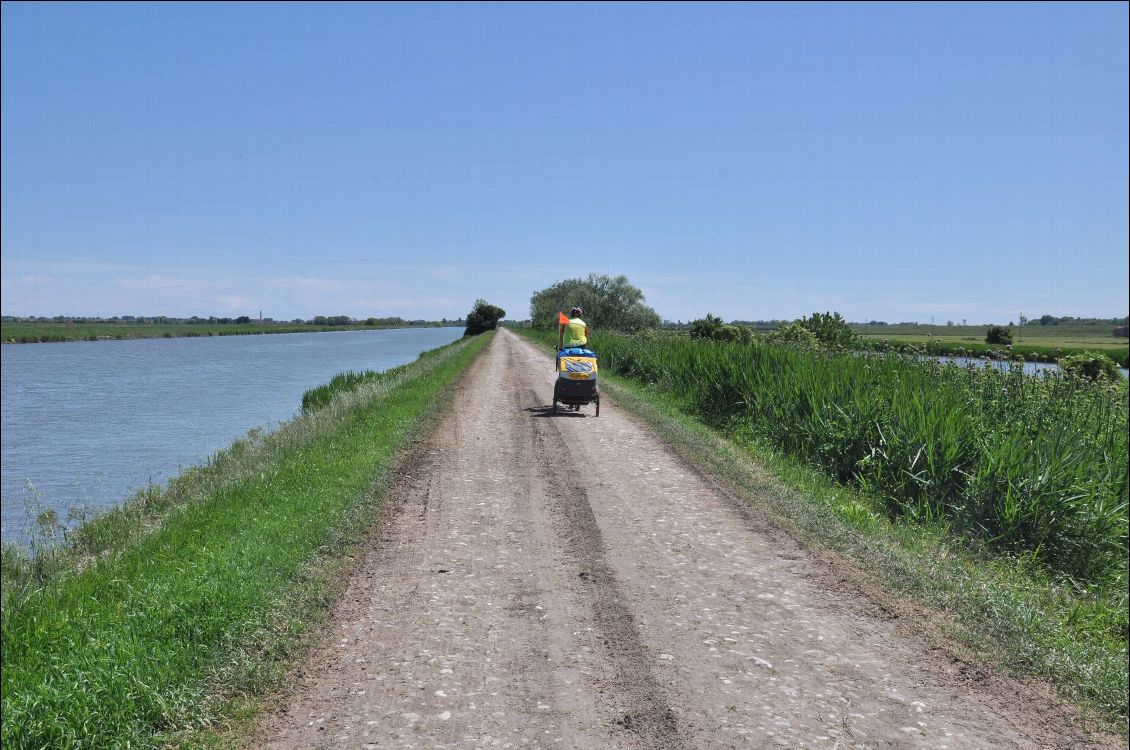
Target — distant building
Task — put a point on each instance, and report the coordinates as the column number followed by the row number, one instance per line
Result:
column 1122, row 331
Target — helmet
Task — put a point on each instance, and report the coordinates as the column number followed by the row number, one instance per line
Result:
column 574, row 312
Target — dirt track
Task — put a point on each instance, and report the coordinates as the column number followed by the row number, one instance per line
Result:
column 569, row 582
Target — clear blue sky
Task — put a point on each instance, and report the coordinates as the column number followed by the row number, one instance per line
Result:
column 887, row 161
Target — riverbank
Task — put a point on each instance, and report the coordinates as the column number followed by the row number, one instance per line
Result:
column 1066, row 335
column 43, row 333
column 1119, row 352
column 180, row 610
column 1015, row 612
column 87, row 424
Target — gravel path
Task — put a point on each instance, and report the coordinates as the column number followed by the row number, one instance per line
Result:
column 568, row 582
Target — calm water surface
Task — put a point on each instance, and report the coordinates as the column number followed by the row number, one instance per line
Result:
column 87, row 423
column 1030, row 368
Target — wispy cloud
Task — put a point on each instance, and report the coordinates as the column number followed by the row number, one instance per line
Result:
column 230, row 303
column 423, row 290
column 159, row 282
column 314, row 284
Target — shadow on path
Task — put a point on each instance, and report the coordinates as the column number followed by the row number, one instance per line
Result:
column 547, row 411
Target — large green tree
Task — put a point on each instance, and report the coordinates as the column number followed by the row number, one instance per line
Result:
column 483, row 317
column 610, row 302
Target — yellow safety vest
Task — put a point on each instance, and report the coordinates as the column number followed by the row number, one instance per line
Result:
column 575, row 333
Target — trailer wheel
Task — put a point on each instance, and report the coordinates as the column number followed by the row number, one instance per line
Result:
column 555, row 407
column 598, row 406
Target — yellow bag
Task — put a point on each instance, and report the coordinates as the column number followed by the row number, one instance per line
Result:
column 577, row 368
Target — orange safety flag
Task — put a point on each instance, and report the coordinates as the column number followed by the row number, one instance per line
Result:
column 562, row 319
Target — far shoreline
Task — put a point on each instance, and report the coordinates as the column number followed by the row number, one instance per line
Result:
column 58, row 333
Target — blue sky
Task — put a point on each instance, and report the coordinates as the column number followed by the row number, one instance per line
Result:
column 888, row 161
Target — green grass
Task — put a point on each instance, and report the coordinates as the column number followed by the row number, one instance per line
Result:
column 343, row 382
column 1031, row 333
column 1035, row 343
column 1025, row 465
column 171, row 614
column 32, row 333
column 1026, row 352
column 1000, row 596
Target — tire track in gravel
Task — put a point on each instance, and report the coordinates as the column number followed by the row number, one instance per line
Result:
column 571, row 582
column 483, row 614
column 640, row 701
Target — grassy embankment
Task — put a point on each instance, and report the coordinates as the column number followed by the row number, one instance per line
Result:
column 1035, row 343
column 181, row 609
column 37, row 333
column 996, row 498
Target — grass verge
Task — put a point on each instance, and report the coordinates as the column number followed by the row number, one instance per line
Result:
column 1005, row 607
column 178, row 611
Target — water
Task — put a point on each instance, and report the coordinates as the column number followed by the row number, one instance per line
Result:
column 1030, row 368
column 88, row 423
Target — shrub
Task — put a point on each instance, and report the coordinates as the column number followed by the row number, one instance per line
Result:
column 998, row 335
column 740, row 334
column 704, row 328
column 830, row 329
column 1091, row 366
column 483, row 317
column 796, row 336
column 713, row 329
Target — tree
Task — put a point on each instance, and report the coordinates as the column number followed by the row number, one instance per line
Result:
column 609, row 303
column 483, row 317
column 333, row 320
column 830, row 329
column 712, row 328
column 998, row 335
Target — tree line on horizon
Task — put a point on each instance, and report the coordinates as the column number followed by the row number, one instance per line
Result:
column 317, row 320
column 609, row 302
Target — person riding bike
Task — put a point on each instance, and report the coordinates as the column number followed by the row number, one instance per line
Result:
column 572, row 334
column 575, row 333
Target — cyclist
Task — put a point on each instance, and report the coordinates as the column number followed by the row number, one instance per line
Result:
column 575, row 333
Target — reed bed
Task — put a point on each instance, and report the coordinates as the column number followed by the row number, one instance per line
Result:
column 1032, row 466
column 1027, row 352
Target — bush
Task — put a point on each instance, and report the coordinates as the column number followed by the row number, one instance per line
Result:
column 830, row 329
column 483, row 317
column 713, row 329
column 796, row 336
column 704, row 328
column 998, row 335
column 740, row 334
column 1091, row 366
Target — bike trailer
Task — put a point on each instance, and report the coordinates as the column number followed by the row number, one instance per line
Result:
column 575, row 385
column 577, row 367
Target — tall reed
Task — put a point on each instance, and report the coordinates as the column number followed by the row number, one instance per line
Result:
column 1032, row 465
